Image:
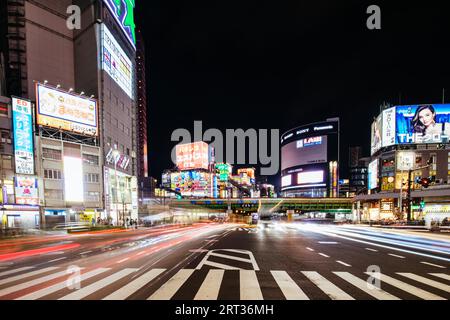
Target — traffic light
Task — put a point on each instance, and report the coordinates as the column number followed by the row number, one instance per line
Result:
column 425, row 182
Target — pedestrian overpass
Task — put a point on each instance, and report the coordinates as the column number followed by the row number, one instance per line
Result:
column 267, row 205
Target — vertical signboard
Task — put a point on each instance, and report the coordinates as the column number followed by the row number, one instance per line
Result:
column 23, row 136
column 134, row 198
column 373, row 175
column 107, row 193
column 389, row 127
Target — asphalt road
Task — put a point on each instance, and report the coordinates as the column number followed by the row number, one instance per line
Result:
column 274, row 261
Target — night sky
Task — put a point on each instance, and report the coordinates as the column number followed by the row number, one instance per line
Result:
column 282, row 64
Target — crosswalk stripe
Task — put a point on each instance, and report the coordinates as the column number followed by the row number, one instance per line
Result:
column 289, row 288
column 5, row 273
column 406, row 287
column 86, row 291
column 27, row 275
column 167, row 290
column 326, row 286
column 426, row 281
column 31, row 283
column 61, row 285
column 249, row 285
column 363, row 285
column 220, row 265
column 211, row 285
column 135, row 285
column 441, row 275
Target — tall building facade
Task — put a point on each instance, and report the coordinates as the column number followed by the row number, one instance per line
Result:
column 142, row 133
column 93, row 68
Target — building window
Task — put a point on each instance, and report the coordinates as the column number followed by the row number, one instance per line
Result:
column 115, row 122
column 109, row 141
column 3, row 110
column 53, row 194
column 122, row 127
column 93, row 196
column 51, row 154
column 128, row 152
column 128, row 131
column 7, row 162
column 92, row 178
column 90, row 159
column 52, row 174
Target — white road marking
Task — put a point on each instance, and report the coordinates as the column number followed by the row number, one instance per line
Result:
column 384, row 246
column 220, row 265
column 363, row 285
column 370, row 249
column 324, row 255
column 86, row 291
column 426, row 281
column 123, row 260
column 55, row 260
column 5, row 273
column 432, row 264
column 441, row 275
column 134, row 285
column 59, row 286
column 168, row 289
column 27, row 275
column 396, row 255
column 326, row 286
column 83, row 253
column 328, row 242
column 310, row 249
column 213, row 236
column 406, row 287
column 198, row 250
column 211, row 286
column 289, row 288
column 230, row 257
column 31, row 283
column 249, row 286
column 343, row 263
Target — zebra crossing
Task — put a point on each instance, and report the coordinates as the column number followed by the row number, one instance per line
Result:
column 208, row 284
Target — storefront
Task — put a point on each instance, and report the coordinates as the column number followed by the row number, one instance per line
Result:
column 20, row 216
column 121, row 196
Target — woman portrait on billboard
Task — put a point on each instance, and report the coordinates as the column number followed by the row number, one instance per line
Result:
column 424, row 122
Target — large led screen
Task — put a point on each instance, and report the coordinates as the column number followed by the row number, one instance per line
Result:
column 304, row 151
column 376, row 135
column 61, row 110
column 423, row 124
column 373, row 175
column 116, row 63
column 192, row 183
column 73, row 179
column 123, row 12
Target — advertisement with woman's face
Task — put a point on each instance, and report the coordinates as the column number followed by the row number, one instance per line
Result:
column 423, row 124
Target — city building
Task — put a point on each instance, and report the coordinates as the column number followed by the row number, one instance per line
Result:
column 358, row 167
column 409, row 170
column 309, row 160
column 94, row 63
column 142, row 133
column 105, row 59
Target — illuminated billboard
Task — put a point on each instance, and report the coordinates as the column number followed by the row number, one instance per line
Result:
column 373, row 175
column 192, row 156
column 26, row 189
column 376, row 135
column 286, row 181
column 123, row 12
column 73, row 179
column 116, row 63
column 305, row 151
column 310, row 177
column 224, row 171
column 423, row 124
column 388, row 129
column 23, row 136
column 61, row 110
column 250, row 172
column 192, row 183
